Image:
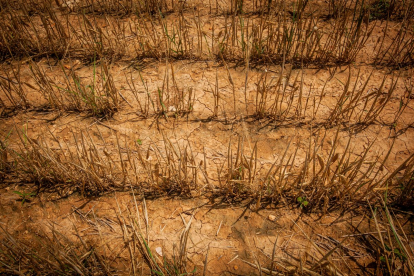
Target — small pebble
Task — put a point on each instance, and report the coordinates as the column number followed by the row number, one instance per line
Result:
column 272, row 217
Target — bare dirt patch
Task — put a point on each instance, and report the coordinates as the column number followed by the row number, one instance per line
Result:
column 228, row 137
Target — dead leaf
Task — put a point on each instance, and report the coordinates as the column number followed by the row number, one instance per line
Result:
column 321, row 163
column 159, row 251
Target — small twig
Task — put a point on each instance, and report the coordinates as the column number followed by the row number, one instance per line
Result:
column 362, row 234
column 219, row 228
column 122, row 96
column 99, row 122
column 233, row 259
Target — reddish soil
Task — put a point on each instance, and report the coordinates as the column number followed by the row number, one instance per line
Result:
column 225, row 233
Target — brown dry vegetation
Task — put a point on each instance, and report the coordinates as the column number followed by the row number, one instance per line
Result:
column 213, row 137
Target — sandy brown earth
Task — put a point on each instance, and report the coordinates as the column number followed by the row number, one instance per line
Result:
column 229, row 233
column 192, row 144
column 222, row 237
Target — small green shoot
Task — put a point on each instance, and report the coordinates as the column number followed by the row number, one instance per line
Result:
column 303, row 202
column 24, row 196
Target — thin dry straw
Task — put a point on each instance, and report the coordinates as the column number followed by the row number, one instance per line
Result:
column 294, row 40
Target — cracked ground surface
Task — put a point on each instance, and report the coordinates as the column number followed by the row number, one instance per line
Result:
column 206, row 120
column 223, row 237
